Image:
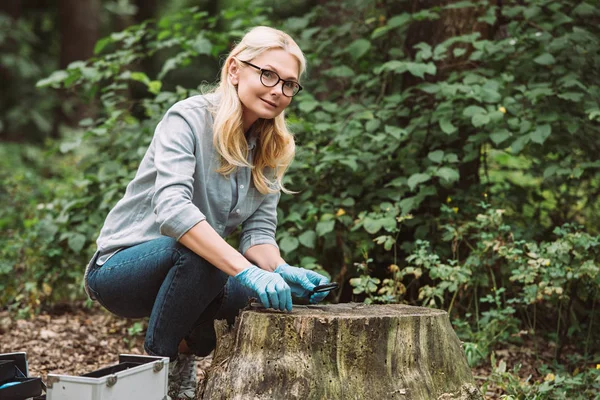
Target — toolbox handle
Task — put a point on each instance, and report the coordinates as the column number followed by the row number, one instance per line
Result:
column 158, row 366
column 111, row 381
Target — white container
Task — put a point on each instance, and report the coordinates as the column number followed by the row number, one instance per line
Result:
column 135, row 377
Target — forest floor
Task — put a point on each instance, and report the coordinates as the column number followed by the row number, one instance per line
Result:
column 73, row 340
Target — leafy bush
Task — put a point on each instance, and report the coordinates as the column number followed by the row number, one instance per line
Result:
column 25, row 58
column 558, row 384
column 387, row 126
column 32, row 263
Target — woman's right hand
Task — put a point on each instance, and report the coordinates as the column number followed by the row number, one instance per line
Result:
column 270, row 287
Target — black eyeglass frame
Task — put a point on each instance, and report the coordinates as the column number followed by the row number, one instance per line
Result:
column 262, row 71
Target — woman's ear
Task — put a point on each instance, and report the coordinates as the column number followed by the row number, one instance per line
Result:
column 233, row 72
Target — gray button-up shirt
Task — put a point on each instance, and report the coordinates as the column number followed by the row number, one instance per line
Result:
column 177, row 186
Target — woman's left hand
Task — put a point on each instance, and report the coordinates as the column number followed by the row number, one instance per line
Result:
column 303, row 281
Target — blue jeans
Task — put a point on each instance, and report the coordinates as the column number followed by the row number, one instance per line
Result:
column 180, row 291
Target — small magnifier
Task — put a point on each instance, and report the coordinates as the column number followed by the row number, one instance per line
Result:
column 326, row 287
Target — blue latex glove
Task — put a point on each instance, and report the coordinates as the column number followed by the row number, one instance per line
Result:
column 303, row 281
column 270, row 288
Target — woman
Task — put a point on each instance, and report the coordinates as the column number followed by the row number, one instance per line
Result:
column 216, row 161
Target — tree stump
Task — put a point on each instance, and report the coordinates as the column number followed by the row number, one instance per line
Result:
column 343, row 351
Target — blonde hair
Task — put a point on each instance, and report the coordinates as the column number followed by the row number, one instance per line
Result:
column 275, row 146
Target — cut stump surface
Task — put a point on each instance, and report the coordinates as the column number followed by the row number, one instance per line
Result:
column 343, row 351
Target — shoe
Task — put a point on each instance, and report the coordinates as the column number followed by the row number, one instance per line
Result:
column 182, row 377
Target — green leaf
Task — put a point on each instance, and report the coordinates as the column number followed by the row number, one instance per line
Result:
column 359, row 48
column 67, row 146
column 365, row 114
column 154, row 87
column 460, row 4
column 541, row 133
column 140, row 77
column 585, row 9
column 398, row 20
column 572, row 96
column 425, row 53
column 202, row 45
column 448, row 174
column 53, row 80
column 430, row 88
column 451, row 158
column 480, row 120
column 436, row 156
column 394, row 65
column 447, row 126
column 490, row 95
column 348, row 202
column 419, row 69
column 324, row 227
column 408, row 204
column 372, row 225
column 458, row 51
column 76, row 242
column 416, row 179
column 593, row 114
column 531, row 12
column 289, row 244
column 500, row 136
column 342, row 71
column 372, row 125
column 163, row 35
column 395, row 131
column 473, row 110
column 350, row 162
column 378, row 32
column 549, row 171
column 545, row 59
column 519, row 144
column 308, row 106
column 389, row 224
column 101, row 44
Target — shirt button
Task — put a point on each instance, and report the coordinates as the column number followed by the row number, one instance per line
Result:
column 238, row 211
column 241, row 186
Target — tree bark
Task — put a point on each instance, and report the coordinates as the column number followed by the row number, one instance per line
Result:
column 12, row 8
column 79, row 29
column 79, row 22
column 343, row 351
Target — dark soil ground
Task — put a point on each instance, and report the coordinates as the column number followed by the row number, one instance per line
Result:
column 74, row 340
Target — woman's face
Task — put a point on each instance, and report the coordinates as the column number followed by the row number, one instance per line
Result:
column 259, row 101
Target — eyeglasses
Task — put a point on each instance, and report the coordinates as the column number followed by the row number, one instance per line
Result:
column 271, row 78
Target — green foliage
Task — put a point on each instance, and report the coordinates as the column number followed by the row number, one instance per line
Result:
column 25, row 58
column 32, row 264
column 137, row 329
column 581, row 384
column 501, row 276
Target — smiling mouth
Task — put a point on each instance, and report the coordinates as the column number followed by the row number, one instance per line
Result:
column 269, row 103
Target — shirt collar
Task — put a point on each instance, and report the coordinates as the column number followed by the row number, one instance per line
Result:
column 252, row 138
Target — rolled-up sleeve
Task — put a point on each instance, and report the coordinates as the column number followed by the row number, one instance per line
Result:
column 175, row 163
column 260, row 227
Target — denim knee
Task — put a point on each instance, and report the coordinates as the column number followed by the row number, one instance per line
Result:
column 196, row 268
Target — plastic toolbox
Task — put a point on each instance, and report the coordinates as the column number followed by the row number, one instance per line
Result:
column 15, row 384
column 134, row 377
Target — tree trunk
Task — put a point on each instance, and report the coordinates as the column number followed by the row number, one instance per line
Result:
column 79, row 22
column 79, row 29
column 12, row 8
column 343, row 351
